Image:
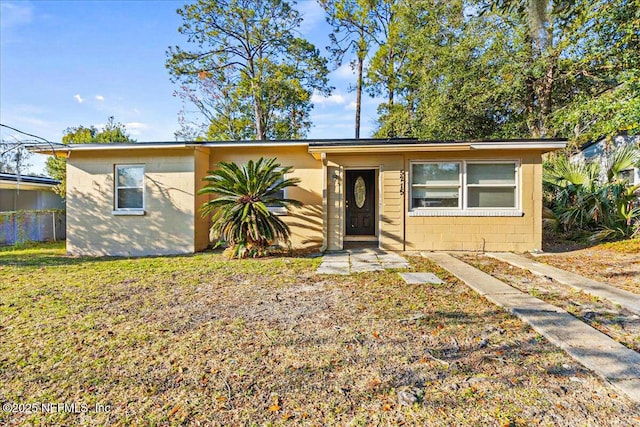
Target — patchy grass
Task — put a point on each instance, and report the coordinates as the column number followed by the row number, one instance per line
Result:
column 614, row 263
column 199, row 340
column 609, row 318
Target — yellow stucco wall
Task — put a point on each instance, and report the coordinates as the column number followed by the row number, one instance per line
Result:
column 168, row 224
column 399, row 230
column 201, row 158
column 173, row 223
column 305, row 222
column 483, row 233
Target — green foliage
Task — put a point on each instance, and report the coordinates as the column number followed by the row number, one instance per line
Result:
column 511, row 69
column 578, row 199
column 248, row 74
column 240, row 208
column 113, row 132
column 354, row 27
column 447, row 74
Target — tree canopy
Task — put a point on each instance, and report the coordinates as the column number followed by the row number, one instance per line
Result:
column 514, row 68
column 460, row 69
column 112, row 132
column 248, row 73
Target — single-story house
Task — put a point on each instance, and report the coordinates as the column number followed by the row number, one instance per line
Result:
column 30, row 209
column 26, row 192
column 600, row 150
column 405, row 194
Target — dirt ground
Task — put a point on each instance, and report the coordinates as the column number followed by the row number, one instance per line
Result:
column 200, row 340
column 620, row 324
column 617, row 264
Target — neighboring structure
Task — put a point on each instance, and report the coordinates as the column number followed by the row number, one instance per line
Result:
column 30, row 209
column 28, row 193
column 600, row 150
column 141, row 198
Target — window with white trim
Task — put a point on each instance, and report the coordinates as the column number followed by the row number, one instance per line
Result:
column 280, row 194
column 435, row 185
column 491, row 185
column 129, row 188
column 464, row 186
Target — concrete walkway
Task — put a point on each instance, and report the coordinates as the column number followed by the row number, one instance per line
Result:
column 617, row 364
column 360, row 260
column 621, row 297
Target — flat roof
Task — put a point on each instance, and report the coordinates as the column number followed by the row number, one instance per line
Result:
column 325, row 145
column 28, row 178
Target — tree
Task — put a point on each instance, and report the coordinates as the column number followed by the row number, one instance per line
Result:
column 247, row 62
column 515, row 69
column 443, row 81
column 240, row 208
column 353, row 29
column 113, row 132
column 14, row 157
column 579, row 65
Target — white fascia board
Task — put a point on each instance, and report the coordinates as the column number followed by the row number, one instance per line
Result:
column 389, row 148
column 118, row 146
column 524, row 145
column 252, row 145
column 13, row 185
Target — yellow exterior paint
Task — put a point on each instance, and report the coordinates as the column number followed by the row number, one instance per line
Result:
column 170, row 210
column 305, row 222
column 173, row 224
column 482, row 233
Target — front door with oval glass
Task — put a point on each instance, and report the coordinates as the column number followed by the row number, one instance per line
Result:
column 360, row 203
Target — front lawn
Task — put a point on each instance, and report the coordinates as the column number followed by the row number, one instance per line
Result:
column 199, row 340
column 614, row 263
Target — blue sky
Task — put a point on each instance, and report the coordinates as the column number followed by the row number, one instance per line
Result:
column 71, row 63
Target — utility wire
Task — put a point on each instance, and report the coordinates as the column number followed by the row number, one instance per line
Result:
column 20, row 143
column 25, row 133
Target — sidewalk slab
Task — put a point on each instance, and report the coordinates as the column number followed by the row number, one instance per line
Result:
column 360, row 261
column 470, row 275
column 617, row 364
column 421, row 278
column 625, row 299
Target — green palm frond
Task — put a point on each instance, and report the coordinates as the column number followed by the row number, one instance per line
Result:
column 239, row 209
column 626, row 157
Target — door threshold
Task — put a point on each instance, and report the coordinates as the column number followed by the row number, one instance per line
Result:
column 365, row 238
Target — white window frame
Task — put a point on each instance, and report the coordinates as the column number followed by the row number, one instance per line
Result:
column 634, row 175
column 515, row 184
column 464, row 209
column 128, row 211
column 280, row 210
column 412, row 185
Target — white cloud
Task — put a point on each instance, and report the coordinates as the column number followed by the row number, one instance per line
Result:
column 136, row 128
column 336, row 98
column 351, row 106
column 344, row 72
column 99, row 98
column 78, row 98
column 312, row 14
column 13, row 14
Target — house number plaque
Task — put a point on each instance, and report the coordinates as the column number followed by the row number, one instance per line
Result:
column 360, row 192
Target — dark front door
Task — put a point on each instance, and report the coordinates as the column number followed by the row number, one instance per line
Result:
column 360, row 203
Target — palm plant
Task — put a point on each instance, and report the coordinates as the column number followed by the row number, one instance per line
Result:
column 579, row 197
column 240, row 212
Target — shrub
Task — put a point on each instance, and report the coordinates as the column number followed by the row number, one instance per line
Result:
column 579, row 198
column 240, row 212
